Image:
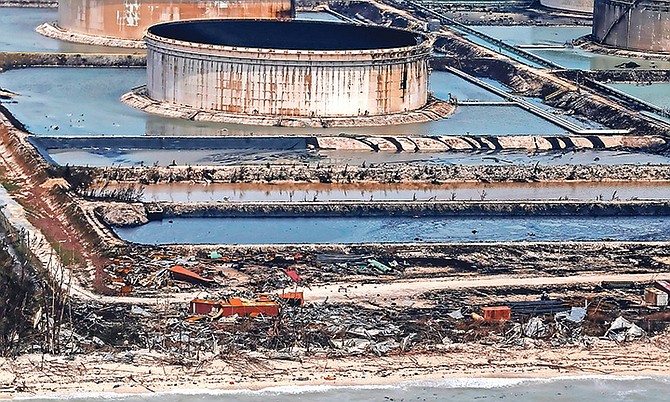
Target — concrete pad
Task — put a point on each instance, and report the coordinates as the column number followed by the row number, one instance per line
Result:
column 486, row 142
column 457, row 143
column 406, row 143
column 342, row 143
column 542, row 144
column 644, row 141
column 517, row 142
column 428, row 144
column 581, row 142
column 610, row 141
column 383, row 144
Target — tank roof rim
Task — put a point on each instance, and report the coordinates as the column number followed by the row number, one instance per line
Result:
column 251, row 50
column 427, row 39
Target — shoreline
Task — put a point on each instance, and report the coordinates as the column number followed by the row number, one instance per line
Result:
column 455, row 366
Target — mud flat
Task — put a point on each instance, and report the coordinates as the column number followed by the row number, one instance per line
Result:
column 587, row 44
column 29, row 3
column 14, row 60
column 259, row 192
column 435, row 109
column 52, row 30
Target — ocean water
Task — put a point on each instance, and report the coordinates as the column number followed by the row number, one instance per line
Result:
column 345, row 230
column 596, row 388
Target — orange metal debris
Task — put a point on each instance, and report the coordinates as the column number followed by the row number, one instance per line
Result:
column 498, row 313
column 182, row 274
column 200, row 306
column 235, row 305
column 293, row 298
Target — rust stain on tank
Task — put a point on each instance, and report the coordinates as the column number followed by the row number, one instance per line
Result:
column 129, row 19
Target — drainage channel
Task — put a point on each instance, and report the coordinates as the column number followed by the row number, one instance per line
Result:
column 348, row 230
column 258, row 192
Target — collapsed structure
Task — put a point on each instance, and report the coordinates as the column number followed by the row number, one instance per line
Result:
column 125, row 19
column 642, row 25
column 287, row 68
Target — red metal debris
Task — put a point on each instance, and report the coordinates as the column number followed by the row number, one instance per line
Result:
column 497, row 313
column 182, row 274
column 200, row 306
column 293, row 275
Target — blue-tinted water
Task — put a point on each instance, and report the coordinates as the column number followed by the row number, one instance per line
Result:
column 626, row 389
column 316, row 16
column 17, row 33
column 85, row 101
column 559, row 35
column 534, row 35
column 394, row 229
column 657, row 93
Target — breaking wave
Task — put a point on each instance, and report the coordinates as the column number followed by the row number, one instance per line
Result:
column 447, row 383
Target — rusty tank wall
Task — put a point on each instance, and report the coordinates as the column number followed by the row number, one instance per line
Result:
column 129, row 19
column 576, row 6
column 288, row 82
column 642, row 25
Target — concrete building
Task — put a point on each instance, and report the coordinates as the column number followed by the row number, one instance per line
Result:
column 129, row 19
column 574, row 6
column 641, row 25
column 287, row 68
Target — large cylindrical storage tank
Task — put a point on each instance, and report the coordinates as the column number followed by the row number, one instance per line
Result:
column 576, row 6
column 287, row 68
column 129, row 19
column 642, row 25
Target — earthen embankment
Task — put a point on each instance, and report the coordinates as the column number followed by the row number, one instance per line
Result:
column 417, row 209
column 381, row 173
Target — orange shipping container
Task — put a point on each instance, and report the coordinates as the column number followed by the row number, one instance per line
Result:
column 498, row 313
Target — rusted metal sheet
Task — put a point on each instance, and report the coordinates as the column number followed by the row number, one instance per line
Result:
column 496, row 313
column 636, row 25
column 663, row 286
column 129, row 19
column 578, row 6
column 288, row 82
column 655, row 297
